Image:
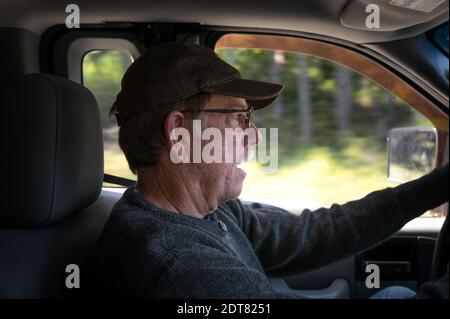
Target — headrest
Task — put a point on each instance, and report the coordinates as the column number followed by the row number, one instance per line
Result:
column 52, row 150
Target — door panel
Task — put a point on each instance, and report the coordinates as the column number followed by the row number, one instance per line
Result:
column 404, row 259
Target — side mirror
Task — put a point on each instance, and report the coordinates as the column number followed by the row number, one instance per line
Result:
column 411, row 153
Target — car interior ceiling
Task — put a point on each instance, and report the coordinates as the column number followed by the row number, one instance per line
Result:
column 26, row 26
column 65, row 207
column 334, row 18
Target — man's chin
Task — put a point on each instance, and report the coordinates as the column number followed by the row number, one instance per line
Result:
column 234, row 185
column 241, row 173
column 239, row 177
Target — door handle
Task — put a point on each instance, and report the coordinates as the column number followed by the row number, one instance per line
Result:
column 338, row 289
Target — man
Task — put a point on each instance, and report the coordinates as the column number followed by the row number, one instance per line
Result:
column 181, row 232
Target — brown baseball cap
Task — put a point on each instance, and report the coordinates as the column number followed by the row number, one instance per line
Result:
column 171, row 72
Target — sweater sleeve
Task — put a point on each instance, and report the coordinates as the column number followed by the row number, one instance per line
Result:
column 289, row 244
column 211, row 274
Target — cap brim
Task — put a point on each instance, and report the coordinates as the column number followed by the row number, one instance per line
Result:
column 258, row 94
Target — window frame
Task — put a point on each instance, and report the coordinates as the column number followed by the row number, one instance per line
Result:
column 354, row 61
column 357, row 62
column 82, row 46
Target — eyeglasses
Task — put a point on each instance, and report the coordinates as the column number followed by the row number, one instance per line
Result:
column 249, row 113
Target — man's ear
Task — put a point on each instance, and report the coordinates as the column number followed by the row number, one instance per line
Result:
column 174, row 122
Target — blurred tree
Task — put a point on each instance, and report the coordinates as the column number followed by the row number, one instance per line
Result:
column 304, row 99
column 343, row 98
column 276, row 76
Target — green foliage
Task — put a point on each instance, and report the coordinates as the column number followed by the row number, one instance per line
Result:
column 102, row 73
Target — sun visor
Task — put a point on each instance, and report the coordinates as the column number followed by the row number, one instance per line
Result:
column 394, row 15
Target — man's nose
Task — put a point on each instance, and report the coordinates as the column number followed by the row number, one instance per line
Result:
column 255, row 139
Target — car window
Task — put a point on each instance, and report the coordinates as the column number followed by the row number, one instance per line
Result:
column 440, row 37
column 102, row 72
column 332, row 125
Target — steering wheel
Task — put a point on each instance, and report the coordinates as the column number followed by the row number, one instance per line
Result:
column 439, row 266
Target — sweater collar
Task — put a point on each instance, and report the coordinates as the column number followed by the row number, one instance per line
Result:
column 134, row 198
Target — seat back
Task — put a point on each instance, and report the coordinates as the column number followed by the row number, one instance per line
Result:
column 52, row 166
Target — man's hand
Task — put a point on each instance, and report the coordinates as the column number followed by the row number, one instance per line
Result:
column 434, row 290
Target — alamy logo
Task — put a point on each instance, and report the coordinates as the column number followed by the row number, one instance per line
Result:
column 73, row 279
column 373, row 279
column 373, row 19
column 214, row 146
column 73, row 19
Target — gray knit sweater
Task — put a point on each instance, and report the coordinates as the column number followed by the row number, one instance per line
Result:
column 147, row 252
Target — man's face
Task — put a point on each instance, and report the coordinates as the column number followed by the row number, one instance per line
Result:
column 224, row 180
